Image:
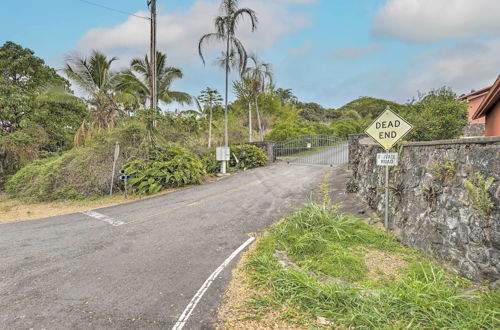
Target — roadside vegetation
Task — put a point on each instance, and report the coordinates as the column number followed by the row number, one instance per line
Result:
column 319, row 268
column 55, row 145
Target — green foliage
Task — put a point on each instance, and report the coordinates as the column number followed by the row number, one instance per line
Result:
column 210, row 163
column 477, row 189
column 446, row 172
column 290, row 125
column 20, row 67
column 249, row 156
column 314, row 112
column 168, row 166
column 33, row 118
column 437, row 115
column 368, row 107
column 81, row 172
column 323, row 243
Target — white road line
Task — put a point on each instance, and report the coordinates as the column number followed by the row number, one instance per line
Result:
column 103, row 217
column 197, row 297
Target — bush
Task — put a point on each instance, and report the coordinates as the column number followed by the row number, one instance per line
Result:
column 81, row 172
column 211, row 165
column 169, row 166
column 249, row 156
column 437, row 115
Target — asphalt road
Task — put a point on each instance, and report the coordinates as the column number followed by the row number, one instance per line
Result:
column 80, row 272
column 337, row 155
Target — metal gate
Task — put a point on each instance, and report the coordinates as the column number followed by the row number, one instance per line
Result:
column 313, row 149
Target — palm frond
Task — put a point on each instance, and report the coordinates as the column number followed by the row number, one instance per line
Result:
column 207, row 38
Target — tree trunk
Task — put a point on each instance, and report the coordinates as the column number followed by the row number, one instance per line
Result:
column 250, row 138
column 261, row 135
column 210, row 129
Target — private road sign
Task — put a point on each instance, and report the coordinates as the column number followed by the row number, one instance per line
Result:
column 388, row 128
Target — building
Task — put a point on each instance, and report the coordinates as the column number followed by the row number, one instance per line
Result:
column 473, row 100
column 489, row 108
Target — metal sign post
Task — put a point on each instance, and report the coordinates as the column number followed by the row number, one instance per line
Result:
column 223, row 154
column 124, row 177
column 386, row 217
column 115, row 158
column 387, row 130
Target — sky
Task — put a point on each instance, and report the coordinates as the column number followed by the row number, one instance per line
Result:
column 326, row 51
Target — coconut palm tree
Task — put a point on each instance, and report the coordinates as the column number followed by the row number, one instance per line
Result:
column 225, row 26
column 95, row 77
column 137, row 81
column 261, row 76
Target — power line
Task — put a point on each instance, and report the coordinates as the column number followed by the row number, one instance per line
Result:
column 113, row 9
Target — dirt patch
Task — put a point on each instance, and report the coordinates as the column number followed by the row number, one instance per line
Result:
column 385, row 265
column 235, row 314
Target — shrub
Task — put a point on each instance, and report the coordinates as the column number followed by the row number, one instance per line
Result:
column 435, row 116
column 81, row 172
column 169, row 166
column 249, row 156
column 477, row 190
column 210, row 163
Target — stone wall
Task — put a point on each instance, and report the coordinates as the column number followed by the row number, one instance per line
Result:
column 429, row 207
column 474, row 129
column 268, row 147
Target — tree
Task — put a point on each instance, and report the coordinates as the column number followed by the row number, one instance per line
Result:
column 210, row 99
column 286, row 96
column 244, row 91
column 94, row 76
column 313, row 112
column 33, row 117
column 261, row 77
column 225, row 26
column 22, row 77
column 436, row 115
column 368, row 107
column 137, row 81
column 19, row 67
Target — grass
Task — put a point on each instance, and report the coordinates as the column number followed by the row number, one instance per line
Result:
column 352, row 275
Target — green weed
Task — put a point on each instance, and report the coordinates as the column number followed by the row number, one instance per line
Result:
column 323, row 243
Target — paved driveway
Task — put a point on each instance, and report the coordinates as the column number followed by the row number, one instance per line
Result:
column 335, row 156
column 138, row 265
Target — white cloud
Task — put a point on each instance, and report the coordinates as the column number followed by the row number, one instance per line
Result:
column 434, row 20
column 466, row 66
column 179, row 31
column 350, row 53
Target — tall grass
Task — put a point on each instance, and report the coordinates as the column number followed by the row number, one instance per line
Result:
column 323, row 242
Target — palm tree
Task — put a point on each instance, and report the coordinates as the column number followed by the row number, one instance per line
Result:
column 225, row 26
column 137, row 81
column 286, row 96
column 261, row 76
column 94, row 76
column 210, row 98
column 244, row 91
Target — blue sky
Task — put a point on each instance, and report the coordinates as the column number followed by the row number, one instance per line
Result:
column 327, row 51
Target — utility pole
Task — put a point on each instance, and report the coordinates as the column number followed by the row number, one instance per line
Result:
column 152, row 58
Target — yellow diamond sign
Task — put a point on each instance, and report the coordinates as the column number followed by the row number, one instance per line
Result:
column 388, row 129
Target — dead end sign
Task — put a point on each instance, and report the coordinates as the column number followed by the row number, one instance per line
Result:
column 388, row 129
